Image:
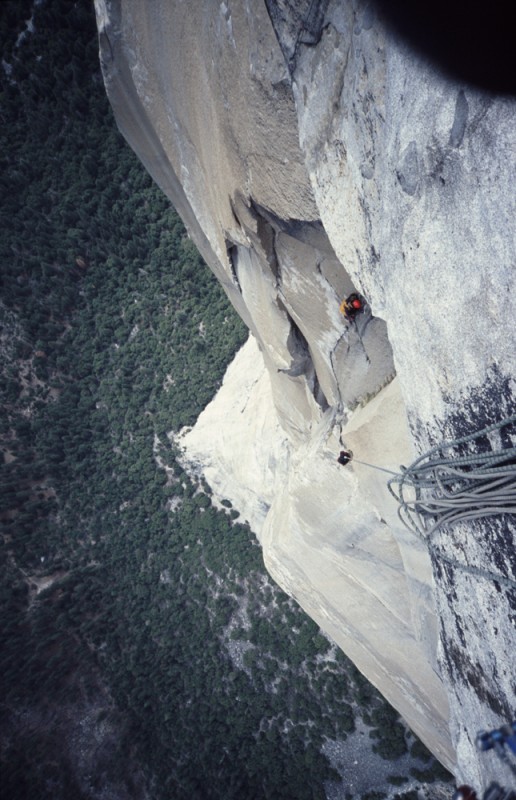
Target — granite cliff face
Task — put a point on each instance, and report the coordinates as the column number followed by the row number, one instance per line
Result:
column 311, row 153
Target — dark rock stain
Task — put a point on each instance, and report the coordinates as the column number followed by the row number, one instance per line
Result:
column 462, row 669
column 460, row 120
column 408, row 170
column 483, row 405
column 296, row 22
column 367, row 18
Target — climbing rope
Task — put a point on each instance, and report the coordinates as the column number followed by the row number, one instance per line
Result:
column 443, row 487
column 439, row 489
column 374, row 466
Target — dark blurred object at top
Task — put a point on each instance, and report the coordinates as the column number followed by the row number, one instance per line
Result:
column 472, row 42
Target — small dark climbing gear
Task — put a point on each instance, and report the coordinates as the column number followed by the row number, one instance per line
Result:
column 345, row 456
column 497, row 740
column 500, row 740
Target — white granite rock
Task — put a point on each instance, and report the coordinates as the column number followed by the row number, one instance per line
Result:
column 310, row 153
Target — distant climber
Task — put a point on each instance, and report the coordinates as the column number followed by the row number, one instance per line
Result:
column 345, row 457
column 352, row 306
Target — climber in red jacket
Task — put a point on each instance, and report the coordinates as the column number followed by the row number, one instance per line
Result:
column 352, row 306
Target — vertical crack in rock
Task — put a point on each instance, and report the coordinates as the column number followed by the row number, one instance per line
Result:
column 334, row 369
column 302, row 361
column 312, row 26
column 296, row 22
column 317, row 391
column 232, row 253
column 359, row 328
column 267, row 236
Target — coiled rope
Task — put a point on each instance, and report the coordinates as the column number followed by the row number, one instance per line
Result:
column 439, row 489
column 442, row 488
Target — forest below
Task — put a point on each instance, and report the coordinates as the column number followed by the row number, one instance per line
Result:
column 145, row 651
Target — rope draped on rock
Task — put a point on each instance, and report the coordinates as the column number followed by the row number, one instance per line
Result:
column 442, row 488
column 445, row 486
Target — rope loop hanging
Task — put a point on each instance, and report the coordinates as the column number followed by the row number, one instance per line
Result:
column 443, row 487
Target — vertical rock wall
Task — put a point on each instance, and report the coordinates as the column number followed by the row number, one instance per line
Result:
column 310, row 154
column 414, row 179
